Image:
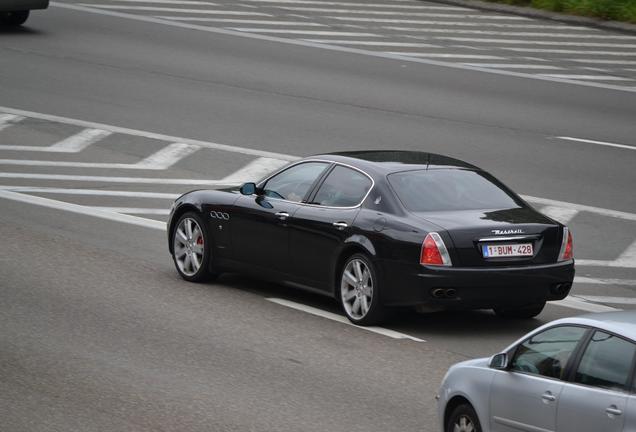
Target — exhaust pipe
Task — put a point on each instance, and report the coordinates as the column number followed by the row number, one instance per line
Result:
column 560, row 289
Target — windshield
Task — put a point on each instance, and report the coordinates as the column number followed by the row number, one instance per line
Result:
column 450, row 189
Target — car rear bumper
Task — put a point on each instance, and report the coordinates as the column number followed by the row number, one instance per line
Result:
column 22, row 5
column 479, row 288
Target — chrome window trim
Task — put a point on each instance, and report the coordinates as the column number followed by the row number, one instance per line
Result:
column 264, row 181
column 528, row 237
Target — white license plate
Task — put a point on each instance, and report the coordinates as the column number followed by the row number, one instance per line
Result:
column 507, row 250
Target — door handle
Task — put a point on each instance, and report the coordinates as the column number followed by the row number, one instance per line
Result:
column 282, row 215
column 613, row 411
column 548, row 397
column 340, row 225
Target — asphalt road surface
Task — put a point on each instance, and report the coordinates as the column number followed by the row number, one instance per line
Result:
column 107, row 114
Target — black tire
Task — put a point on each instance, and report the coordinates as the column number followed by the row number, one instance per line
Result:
column 463, row 415
column 522, row 312
column 349, row 293
column 14, row 18
column 197, row 248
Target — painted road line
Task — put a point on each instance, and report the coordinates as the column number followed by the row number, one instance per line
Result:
column 134, row 210
column 106, row 179
column 84, row 210
column 241, row 21
column 449, row 56
column 392, row 6
column 167, row 9
column 601, row 263
column 338, row 48
column 560, row 214
column 160, row 160
column 526, row 34
column 626, row 260
column 145, row 134
column 302, row 32
column 255, row 170
column 609, row 299
column 7, row 120
column 417, row 14
column 90, row 192
column 535, row 42
column 171, row 2
column 603, row 143
column 463, row 24
column 341, row 319
column 588, row 77
column 573, row 302
column 513, row 66
column 604, row 61
column 72, row 144
column 593, row 281
column 565, row 51
column 580, row 207
column 374, row 43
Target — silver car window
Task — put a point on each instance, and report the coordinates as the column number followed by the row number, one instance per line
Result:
column 606, row 362
column 547, row 353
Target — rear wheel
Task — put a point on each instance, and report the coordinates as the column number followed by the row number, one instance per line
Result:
column 360, row 291
column 522, row 312
column 463, row 419
column 14, row 18
column 191, row 248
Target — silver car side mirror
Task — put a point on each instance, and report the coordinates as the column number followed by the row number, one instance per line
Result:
column 499, row 361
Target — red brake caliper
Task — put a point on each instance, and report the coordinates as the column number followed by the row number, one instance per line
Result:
column 200, row 241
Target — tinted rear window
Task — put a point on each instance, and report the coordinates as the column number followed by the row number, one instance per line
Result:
column 450, row 189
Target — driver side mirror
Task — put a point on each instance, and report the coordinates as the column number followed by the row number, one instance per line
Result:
column 248, row 189
column 499, row 361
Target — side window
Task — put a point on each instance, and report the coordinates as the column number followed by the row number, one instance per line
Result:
column 606, row 362
column 343, row 187
column 294, row 183
column 548, row 352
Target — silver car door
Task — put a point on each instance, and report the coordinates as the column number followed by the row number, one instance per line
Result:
column 630, row 414
column 526, row 395
column 596, row 399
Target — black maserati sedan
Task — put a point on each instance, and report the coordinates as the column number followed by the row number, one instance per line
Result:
column 379, row 230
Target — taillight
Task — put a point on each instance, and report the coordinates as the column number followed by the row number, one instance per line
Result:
column 567, row 246
column 434, row 252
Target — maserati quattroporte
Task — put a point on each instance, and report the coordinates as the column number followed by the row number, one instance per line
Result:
column 379, row 230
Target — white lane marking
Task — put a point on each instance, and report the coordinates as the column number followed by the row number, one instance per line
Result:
column 560, row 214
column 171, row 2
column 161, row 160
column 627, row 258
column 593, row 281
column 84, row 210
column 374, row 43
column 566, row 51
column 421, row 14
column 599, row 263
column 443, row 55
column 580, row 207
column 7, row 120
column 302, row 32
column 588, row 77
column 107, row 179
column 255, row 170
column 603, row 143
column 145, row 134
column 167, row 9
column 241, row 21
column 513, row 66
column 524, row 34
column 604, row 61
column 341, row 319
column 462, row 24
column 535, row 42
column 90, row 192
column 393, row 6
column 72, row 144
column 573, row 302
column 609, row 299
column 134, row 210
column 340, row 48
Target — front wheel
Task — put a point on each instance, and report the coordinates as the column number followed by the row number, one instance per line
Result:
column 14, row 18
column 191, row 248
column 523, row 312
column 463, row 419
column 360, row 291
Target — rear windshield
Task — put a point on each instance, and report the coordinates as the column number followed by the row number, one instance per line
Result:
column 450, row 189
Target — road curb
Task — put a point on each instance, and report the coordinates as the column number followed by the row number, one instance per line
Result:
column 543, row 14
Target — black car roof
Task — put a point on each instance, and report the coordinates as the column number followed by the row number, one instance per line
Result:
column 388, row 161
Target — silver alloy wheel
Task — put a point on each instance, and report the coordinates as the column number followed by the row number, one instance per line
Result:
column 188, row 246
column 463, row 424
column 356, row 288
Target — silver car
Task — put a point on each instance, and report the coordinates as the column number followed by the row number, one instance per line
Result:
column 570, row 375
